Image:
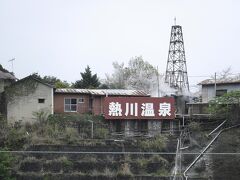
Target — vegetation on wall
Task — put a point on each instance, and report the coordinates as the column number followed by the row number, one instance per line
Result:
column 60, row 130
column 26, row 87
column 55, row 129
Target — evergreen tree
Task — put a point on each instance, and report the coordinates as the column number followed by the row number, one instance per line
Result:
column 88, row 80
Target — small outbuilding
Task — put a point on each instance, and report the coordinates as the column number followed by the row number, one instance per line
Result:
column 27, row 96
column 212, row 88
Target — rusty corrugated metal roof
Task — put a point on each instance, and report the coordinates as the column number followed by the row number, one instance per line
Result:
column 103, row 92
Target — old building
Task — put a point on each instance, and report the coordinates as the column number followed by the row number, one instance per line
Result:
column 209, row 90
column 139, row 111
column 27, row 96
column 88, row 100
column 222, row 86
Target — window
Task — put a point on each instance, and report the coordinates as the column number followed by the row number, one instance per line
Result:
column 221, row 92
column 70, row 105
column 41, row 100
column 81, row 100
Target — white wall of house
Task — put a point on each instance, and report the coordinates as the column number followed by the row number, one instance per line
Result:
column 22, row 107
column 208, row 91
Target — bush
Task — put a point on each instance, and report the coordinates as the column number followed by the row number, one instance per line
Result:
column 3, row 130
column 159, row 159
column 157, row 143
column 108, row 173
column 16, row 139
column 6, row 161
column 194, row 127
column 125, row 170
column 66, row 163
column 71, row 135
column 41, row 120
column 101, row 133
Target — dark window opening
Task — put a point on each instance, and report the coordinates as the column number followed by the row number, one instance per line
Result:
column 142, row 126
column 165, row 125
column 41, row 101
column 221, row 92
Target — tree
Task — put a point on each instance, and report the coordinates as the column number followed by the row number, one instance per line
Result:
column 117, row 80
column 52, row 80
column 88, row 80
column 62, row 84
column 139, row 74
column 55, row 82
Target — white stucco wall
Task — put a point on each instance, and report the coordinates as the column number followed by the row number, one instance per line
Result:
column 208, row 92
column 22, row 107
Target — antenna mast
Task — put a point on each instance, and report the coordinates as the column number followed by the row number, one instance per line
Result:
column 11, row 60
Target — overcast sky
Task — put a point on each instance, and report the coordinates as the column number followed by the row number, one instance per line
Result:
column 61, row 37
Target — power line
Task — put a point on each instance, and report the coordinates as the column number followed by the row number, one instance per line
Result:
column 116, row 153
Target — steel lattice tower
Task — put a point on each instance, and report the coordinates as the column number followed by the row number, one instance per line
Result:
column 176, row 72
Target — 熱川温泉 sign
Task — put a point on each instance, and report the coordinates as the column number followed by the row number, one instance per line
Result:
column 139, row 108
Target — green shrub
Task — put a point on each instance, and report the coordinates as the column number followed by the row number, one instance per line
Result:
column 157, row 143
column 16, row 139
column 159, row 159
column 108, row 173
column 6, row 162
column 3, row 130
column 101, row 133
column 89, row 158
column 66, row 163
column 71, row 135
column 161, row 172
column 194, row 127
column 124, row 170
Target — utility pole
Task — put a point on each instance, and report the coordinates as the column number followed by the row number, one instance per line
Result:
column 215, row 84
column 180, row 154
